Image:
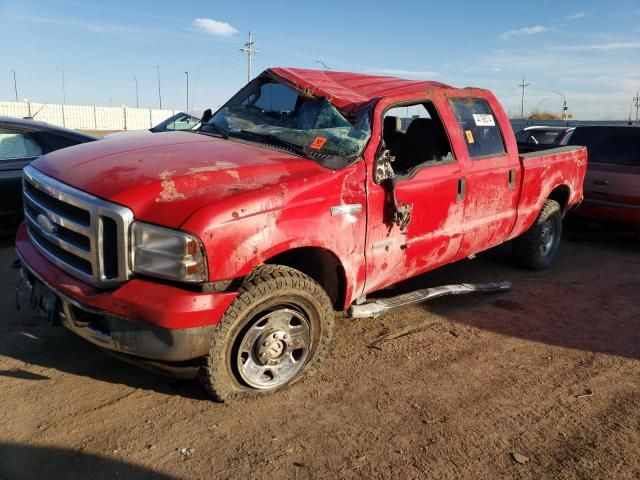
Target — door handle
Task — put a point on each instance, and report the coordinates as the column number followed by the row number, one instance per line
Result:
column 600, row 182
column 462, row 188
column 512, row 178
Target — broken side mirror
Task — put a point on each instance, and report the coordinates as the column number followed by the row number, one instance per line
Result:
column 383, row 169
column 206, row 116
column 384, row 175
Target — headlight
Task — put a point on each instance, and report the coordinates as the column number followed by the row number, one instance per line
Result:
column 165, row 253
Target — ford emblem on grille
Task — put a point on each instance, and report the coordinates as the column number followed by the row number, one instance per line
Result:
column 47, row 225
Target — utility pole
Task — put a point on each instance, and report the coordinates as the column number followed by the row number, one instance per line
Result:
column 187, row 74
column 64, row 85
column 523, row 85
column 159, row 94
column 250, row 51
column 136, row 80
column 637, row 100
column 15, row 84
column 564, row 106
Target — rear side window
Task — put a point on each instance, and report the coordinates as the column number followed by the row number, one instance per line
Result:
column 545, row 137
column 479, row 127
column 183, row 122
column 15, row 145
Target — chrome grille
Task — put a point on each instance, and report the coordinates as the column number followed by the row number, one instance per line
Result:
column 82, row 234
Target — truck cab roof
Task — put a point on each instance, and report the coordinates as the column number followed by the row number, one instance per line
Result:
column 350, row 90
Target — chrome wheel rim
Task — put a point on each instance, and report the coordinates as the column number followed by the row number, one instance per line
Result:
column 274, row 348
column 547, row 236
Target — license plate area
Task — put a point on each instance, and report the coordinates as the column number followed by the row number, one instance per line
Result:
column 45, row 302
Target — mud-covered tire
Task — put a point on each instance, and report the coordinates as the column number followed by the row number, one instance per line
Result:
column 536, row 248
column 271, row 292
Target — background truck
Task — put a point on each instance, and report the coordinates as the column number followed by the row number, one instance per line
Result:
column 224, row 252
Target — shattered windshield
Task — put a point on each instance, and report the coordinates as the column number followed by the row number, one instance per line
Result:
column 275, row 114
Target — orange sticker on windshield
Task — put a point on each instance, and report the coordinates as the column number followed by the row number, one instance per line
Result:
column 469, row 135
column 318, row 142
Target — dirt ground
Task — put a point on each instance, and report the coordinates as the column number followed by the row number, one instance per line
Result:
column 549, row 371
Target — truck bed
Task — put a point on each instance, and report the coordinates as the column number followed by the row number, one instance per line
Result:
column 548, row 151
column 556, row 173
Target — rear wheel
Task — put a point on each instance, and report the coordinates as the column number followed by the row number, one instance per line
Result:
column 278, row 329
column 537, row 247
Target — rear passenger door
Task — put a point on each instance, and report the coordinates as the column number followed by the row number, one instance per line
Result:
column 491, row 177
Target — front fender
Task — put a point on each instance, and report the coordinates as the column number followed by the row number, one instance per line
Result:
column 242, row 234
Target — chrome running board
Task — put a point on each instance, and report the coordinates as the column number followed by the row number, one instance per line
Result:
column 380, row 306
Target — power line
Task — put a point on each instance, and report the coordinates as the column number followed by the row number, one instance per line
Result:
column 109, row 77
column 215, row 68
column 207, row 63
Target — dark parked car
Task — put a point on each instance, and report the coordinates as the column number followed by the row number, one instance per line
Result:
column 612, row 183
column 22, row 141
column 541, row 137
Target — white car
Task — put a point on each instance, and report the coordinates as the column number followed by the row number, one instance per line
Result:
column 185, row 120
column 544, row 135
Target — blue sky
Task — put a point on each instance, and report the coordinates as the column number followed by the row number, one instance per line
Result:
column 587, row 50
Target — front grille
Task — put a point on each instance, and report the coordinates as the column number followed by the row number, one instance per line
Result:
column 82, row 234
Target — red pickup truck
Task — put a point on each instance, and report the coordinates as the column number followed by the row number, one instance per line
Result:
column 224, row 252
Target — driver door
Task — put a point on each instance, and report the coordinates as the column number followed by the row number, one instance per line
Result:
column 427, row 178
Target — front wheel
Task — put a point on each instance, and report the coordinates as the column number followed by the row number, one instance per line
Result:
column 279, row 328
column 536, row 248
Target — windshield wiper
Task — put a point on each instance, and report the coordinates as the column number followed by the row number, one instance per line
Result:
column 277, row 141
column 221, row 131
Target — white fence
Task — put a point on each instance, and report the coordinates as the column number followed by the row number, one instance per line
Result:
column 87, row 117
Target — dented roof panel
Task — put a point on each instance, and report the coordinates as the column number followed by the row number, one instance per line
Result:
column 346, row 89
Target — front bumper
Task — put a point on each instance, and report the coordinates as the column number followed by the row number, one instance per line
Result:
column 141, row 318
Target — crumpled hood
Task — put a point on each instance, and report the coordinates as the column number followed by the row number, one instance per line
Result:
column 165, row 177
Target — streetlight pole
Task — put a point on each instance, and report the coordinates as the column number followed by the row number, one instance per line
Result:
column 187, row 74
column 136, row 80
column 324, row 65
column 159, row 94
column 539, row 103
column 64, row 94
column 564, row 106
column 64, row 85
column 15, row 84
